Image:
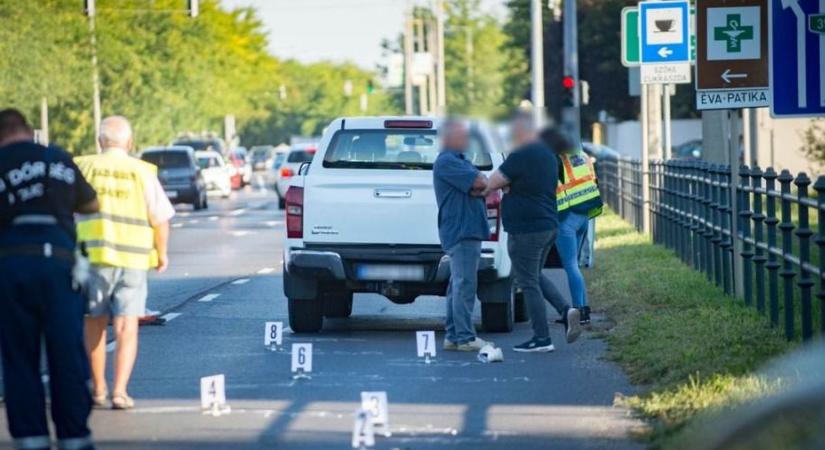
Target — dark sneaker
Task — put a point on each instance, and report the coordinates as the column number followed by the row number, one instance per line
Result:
column 535, row 345
column 572, row 326
column 585, row 315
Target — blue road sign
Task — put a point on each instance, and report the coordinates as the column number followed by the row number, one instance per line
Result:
column 665, row 31
column 797, row 58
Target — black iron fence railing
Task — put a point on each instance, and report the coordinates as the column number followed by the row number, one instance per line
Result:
column 691, row 211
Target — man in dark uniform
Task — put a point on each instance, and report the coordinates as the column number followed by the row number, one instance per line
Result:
column 40, row 190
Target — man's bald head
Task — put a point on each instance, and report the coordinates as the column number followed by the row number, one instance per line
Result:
column 454, row 135
column 115, row 132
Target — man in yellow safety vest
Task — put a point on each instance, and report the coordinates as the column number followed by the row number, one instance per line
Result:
column 124, row 240
column 577, row 200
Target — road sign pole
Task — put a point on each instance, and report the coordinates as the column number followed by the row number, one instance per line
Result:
column 668, row 145
column 645, row 158
column 734, row 147
column 537, row 61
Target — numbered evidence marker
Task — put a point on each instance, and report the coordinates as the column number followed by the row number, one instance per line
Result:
column 375, row 403
column 273, row 335
column 363, row 435
column 426, row 344
column 301, row 360
column 213, row 394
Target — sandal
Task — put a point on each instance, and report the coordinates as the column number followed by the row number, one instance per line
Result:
column 122, row 401
column 99, row 401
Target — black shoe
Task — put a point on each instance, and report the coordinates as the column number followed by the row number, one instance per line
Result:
column 585, row 313
column 535, row 345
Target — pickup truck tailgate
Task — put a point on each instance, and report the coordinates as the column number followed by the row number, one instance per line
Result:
column 371, row 206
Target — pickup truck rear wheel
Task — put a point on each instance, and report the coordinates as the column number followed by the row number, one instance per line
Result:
column 305, row 316
column 497, row 317
column 338, row 304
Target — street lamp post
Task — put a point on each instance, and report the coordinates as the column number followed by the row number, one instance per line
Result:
column 537, row 62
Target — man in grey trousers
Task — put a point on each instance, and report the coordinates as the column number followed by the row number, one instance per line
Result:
column 530, row 176
column 462, row 225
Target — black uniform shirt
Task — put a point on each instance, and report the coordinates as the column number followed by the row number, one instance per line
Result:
column 37, row 180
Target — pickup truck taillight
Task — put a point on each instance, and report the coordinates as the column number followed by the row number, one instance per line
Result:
column 294, row 200
column 286, row 172
column 493, row 202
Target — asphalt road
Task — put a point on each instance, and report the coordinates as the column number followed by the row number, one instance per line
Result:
column 225, row 283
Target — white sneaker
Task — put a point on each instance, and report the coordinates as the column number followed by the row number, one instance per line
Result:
column 449, row 345
column 474, row 345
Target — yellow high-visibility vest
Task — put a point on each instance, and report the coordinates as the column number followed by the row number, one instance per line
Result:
column 579, row 184
column 120, row 235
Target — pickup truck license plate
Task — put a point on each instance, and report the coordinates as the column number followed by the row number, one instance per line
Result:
column 172, row 194
column 390, row 272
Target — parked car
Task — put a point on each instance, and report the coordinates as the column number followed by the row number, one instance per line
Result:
column 296, row 156
column 688, row 150
column 216, row 174
column 179, row 174
column 362, row 217
column 260, row 156
column 599, row 151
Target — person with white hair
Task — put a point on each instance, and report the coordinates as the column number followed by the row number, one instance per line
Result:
column 124, row 240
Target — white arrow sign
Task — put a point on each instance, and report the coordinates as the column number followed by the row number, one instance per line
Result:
column 801, row 51
column 727, row 76
column 664, row 52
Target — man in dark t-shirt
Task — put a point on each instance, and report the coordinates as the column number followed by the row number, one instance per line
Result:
column 40, row 190
column 529, row 177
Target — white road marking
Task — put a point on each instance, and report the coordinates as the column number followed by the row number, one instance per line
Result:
column 273, row 223
column 170, row 316
column 177, row 225
column 209, row 297
column 111, row 346
column 194, row 221
column 238, row 212
column 266, row 270
column 241, row 281
column 239, row 233
column 213, row 218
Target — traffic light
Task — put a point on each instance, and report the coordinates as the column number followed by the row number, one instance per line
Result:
column 568, row 96
column 370, row 87
column 89, row 7
column 193, row 6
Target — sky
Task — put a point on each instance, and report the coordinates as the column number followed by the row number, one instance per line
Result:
column 336, row 30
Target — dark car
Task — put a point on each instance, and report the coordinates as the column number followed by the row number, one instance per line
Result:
column 260, row 155
column 688, row 150
column 179, row 174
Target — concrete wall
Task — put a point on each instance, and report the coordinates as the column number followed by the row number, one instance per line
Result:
column 626, row 137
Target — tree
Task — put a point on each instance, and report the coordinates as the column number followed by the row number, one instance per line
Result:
column 813, row 145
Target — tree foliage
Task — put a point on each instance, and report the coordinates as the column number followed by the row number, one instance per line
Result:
column 166, row 72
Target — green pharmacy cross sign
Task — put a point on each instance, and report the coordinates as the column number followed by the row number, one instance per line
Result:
column 734, row 33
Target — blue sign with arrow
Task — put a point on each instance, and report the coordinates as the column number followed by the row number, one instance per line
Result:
column 665, row 31
column 797, row 58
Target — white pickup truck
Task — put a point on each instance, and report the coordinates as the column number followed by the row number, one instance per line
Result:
column 362, row 217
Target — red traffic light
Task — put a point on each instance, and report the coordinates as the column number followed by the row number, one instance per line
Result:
column 568, row 82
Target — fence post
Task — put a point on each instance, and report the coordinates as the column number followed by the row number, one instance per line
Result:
column 745, row 229
column 759, row 258
column 804, row 234
column 819, row 186
column 707, row 214
column 771, row 221
column 727, row 185
column 717, row 225
column 695, row 214
column 655, row 205
column 787, row 273
column 684, row 208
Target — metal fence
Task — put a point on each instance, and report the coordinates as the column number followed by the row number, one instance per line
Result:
column 691, row 212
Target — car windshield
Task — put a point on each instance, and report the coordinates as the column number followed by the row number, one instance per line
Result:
column 395, row 149
column 205, row 162
column 300, row 156
column 279, row 159
column 167, row 159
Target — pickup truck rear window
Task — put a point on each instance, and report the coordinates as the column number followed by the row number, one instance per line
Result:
column 395, row 150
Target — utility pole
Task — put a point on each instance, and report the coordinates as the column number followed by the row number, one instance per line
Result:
column 668, row 131
column 408, row 61
column 91, row 12
column 537, row 62
column 441, row 85
column 470, row 55
column 431, row 77
column 572, row 114
column 421, row 49
column 44, row 121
